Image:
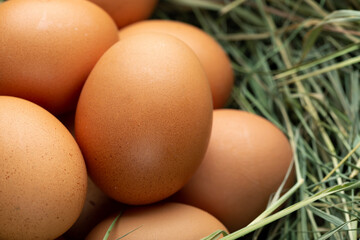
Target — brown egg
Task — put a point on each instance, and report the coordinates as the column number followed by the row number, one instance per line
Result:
column 125, row 12
column 162, row 221
column 97, row 207
column 213, row 58
column 246, row 162
column 48, row 48
column 42, row 173
column 144, row 118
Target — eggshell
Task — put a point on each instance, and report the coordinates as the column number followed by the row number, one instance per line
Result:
column 162, row 222
column 213, row 58
column 144, row 118
column 48, row 48
column 42, row 173
column 125, row 12
column 97, row 207
column 246, row 161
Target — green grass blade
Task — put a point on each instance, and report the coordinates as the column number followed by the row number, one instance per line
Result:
column 210, row 5
column 336, row 66
column 231, row 6
column 288, row 210
column 327, row 217
column 278, row 203
column 215, row 235
column 332, row 232
column 310, row 40
column 129, row 232
column 304, row 66
column 107, row 234
column 341, row 162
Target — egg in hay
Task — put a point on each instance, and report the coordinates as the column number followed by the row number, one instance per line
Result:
column 42, row 173
column 144, row 118
column 247, row 160
column 161, row 221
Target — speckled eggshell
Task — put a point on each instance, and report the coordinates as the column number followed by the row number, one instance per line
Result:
column 48, row 49
column 97, row 205
column 144, row 118
column 42, row 173
column 125, row 12
column 162, row 221
column 213, row 58
column 246, row 161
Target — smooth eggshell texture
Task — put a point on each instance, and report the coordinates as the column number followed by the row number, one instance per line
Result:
column 161, row 222
column 246, row 161
column 125, row 12
column 42, row 173
column 48, row 48
column 213, row 58
column 144, row 118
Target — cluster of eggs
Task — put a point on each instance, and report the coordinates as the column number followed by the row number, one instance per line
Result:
column 148, row 125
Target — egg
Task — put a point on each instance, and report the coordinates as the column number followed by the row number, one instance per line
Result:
column 213, row 58
column 48, row 49
column 42, row 173
column 96, row 208
column 246, row 161
column 144, row 116
column 97, row 205
column 125, row 12
column 161, row 221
